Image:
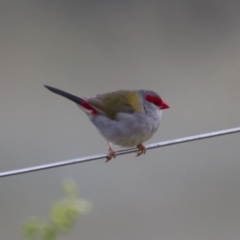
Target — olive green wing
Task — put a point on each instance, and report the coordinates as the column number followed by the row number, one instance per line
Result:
column 110, row 104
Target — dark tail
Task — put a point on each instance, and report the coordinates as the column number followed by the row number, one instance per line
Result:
column 65, row 94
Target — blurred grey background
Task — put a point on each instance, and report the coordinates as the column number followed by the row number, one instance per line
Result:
column 187, row 51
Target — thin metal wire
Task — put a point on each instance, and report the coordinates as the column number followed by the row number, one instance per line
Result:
column 121, row 152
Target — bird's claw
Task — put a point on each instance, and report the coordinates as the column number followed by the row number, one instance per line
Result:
column 141, row 150
column 111, row 154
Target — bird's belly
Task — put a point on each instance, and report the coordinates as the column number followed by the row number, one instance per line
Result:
column 131, row 140
column 128, row 130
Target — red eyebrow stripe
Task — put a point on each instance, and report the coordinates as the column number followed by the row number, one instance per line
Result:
column 154, row 99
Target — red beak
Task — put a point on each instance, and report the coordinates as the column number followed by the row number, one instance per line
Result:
column 164, row 106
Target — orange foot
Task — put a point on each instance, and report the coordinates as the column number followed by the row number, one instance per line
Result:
column 111, row 154
column 141, row 150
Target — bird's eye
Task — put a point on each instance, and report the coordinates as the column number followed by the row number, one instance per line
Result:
column 154, row 100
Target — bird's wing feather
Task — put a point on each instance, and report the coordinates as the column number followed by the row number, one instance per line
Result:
column 110, row 104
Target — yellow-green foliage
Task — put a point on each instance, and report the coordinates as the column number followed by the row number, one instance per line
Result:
column 63, row 216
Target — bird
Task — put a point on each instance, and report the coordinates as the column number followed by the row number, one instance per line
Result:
column 126, row 118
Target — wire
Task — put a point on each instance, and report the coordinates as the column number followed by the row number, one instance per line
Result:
column 121, row 152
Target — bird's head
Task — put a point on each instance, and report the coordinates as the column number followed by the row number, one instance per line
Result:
column 152, row 102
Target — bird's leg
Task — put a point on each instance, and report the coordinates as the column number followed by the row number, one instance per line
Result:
column 141, row 149
column 111, row 153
